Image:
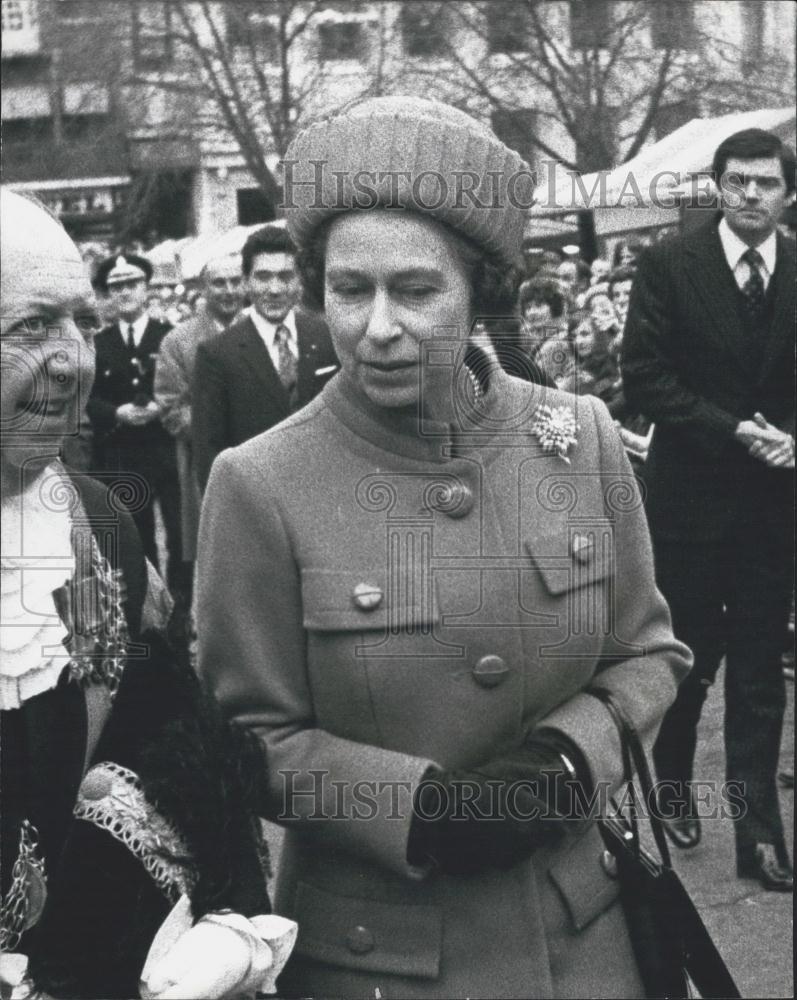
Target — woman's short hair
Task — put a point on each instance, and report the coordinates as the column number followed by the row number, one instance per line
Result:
column 542, row 291
column 595, row 292
column 494, row 285
column 755, row 144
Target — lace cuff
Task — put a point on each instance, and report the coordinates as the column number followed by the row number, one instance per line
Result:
column 111, row 798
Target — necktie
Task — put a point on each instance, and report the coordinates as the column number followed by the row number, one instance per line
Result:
column 753, row 288
column 131, row 343
column 286, row 366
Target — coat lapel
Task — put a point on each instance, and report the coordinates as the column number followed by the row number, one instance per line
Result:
column 256, row 358
column 708, row 271
column 781, row 332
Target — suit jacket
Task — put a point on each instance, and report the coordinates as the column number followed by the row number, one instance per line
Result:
column 121, row 379
column 237, row 390
column 174, row 374
column 689, row 367
column 492, row 621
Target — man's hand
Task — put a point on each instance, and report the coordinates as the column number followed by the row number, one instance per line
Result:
column 778, row 451
column 136, row 416
column 766, row 442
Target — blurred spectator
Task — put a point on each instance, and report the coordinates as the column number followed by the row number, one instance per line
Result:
column 599, row 269
column 574, row 276
column 627, row 252
column 556, row 359
column 543, row 311
column 222, row 298
column 596, row 372
column 620, row 281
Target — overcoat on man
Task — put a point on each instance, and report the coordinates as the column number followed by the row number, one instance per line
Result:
column 394, row 601
column 696, row 362
column 237, row 390
column 174, row 373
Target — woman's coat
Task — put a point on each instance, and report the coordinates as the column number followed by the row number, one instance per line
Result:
column 374, row 601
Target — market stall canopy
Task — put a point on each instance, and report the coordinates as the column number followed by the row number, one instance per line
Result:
column 658, row 175
column 185, row 258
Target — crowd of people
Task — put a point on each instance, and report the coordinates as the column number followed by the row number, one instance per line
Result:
column 388, row 547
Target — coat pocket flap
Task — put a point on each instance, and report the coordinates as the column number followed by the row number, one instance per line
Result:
column 581, row 877
column 364, row 934
column 587, row 560
column 337, row 600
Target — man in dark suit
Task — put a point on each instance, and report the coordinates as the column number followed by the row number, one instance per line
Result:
column 708, row 356
column 132, row 448
column 265, row 366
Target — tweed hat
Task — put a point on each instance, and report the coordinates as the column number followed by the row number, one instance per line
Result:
column 409, row 153
column 122, row 267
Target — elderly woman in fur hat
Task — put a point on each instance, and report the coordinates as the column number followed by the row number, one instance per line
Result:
column 408, row 588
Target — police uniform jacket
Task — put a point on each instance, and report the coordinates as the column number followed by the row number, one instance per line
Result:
column 393, row 600
column 122, row 377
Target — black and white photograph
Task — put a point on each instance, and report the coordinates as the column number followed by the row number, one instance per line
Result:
column 397, row 429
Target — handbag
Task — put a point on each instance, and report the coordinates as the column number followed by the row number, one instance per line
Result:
column 672, row 946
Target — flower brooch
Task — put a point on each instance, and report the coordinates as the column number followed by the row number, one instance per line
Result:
column 555, row 428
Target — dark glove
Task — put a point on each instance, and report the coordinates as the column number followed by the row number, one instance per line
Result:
column 498, row 813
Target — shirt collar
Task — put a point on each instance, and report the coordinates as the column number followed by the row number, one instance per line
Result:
column 139, row 326
column 733, row 247
column 268, row 330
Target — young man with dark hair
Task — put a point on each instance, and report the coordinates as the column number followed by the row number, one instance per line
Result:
column 268, row 364
column 708, row 355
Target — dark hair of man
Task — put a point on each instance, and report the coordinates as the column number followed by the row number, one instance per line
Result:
column 269, row 239
column 620, row 274
column 635, row 246
column 542, row 291
column 494, row 285
column 755, row 144
column 583, row 270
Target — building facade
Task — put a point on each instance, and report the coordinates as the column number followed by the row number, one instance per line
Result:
column 142, row 120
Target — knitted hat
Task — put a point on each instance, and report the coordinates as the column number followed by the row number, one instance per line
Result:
column 122, row 267
column 413, row 154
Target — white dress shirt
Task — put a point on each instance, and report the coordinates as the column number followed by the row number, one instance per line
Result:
column 139, row 327
column 268, row 333
column 734, row 248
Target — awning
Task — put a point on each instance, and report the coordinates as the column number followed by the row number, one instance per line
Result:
column 185, row 258
column 657, row 175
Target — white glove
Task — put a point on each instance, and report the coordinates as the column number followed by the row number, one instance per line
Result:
column 223, row 955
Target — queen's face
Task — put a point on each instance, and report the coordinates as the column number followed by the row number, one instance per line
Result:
column 393, row 282
column 47, row 325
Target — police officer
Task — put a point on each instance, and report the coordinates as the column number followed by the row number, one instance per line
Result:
column 132, row 448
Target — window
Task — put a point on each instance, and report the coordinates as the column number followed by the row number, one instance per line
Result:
column 152, row 38
column 517, row 128
column 14, row 15
column 590, row 23
column 341, row 40
column 78, row 10
column 507, row 26
column 253, row 207
column 672, row 24
column 249, row 27
column 423, row 28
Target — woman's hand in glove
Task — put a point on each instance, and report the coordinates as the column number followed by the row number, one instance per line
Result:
column 498, row 813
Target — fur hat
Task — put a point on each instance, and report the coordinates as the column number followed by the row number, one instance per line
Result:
column 414, row 154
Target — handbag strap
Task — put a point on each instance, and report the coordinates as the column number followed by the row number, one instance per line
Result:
column 632, row 750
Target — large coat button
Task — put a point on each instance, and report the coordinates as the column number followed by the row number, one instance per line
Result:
column 490, row 671
column 367, row 596
column 360, row 940
column 581, row 547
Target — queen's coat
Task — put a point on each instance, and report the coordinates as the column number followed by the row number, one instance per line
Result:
column 377, row 600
